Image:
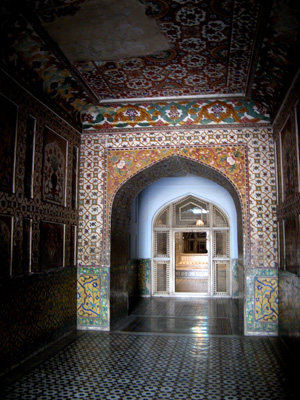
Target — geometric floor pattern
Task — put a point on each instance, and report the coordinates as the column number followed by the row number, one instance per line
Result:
column 128, row 365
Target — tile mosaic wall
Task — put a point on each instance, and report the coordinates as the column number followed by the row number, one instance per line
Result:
column 107, row 161
column 261, row 311
column 46, row 302
column 35, row 310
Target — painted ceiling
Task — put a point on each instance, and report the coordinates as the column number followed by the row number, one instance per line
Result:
column 78, row 54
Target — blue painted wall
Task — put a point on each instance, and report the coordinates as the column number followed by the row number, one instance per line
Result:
column 168, row 190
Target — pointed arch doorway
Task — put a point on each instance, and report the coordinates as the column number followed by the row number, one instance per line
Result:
column 191, row 250
column 122, row 273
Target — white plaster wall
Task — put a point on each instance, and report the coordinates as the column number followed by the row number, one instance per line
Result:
column 167, row 190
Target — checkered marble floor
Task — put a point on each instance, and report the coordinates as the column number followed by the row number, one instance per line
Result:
column 127, row 365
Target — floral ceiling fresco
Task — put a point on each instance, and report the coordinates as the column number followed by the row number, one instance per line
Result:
column 223, row 49
column 204, row 54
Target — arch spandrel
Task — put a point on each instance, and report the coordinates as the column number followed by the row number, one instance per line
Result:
column 229, row 160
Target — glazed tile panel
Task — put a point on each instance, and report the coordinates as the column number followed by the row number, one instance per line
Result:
column 98, row 183
column 261, row 312
column 266, row 299
column 92, row 297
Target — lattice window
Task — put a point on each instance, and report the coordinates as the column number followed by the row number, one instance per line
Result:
column 221, row 277
column 219, row 218
column 161, row 244
column 162, row 220
column 221, row 244
column 191, row 212
column 161, row 276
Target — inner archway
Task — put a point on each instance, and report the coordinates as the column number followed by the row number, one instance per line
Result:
column 122, row 273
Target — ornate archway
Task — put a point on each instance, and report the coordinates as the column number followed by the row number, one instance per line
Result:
column 214, row 163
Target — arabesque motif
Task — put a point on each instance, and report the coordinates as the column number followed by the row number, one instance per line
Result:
column 266, row 299
column 174, row 114
column 88, row 296
column 92, row 297
column 229, row 160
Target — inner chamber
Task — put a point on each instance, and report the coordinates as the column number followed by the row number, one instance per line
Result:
column 191, row 251
column 191, row 262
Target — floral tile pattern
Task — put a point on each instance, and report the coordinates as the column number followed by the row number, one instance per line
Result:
column 199, row 37
column 92, row 297
column 266, row 299
column 229, row 160
column 174, row 114
column 88, row 296
column 261, row 312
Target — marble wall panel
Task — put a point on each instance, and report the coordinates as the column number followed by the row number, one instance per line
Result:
column 287, row 137
column 144, row 273
column 35, row 310
column 289, row 300
column 36, row 307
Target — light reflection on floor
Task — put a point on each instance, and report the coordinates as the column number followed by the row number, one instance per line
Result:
column 185, row 316
column 165, row 350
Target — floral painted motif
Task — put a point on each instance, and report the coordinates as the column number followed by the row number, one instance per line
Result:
column 193, row 44
column 190, row 15
column 266, row 299
column 92, row 297
column 162, row 113
column 174, row 113
column 261, row 301
column 214, row 31
column 194, row 61
column 229, row 160
column 88, row 296
column 217, row 109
